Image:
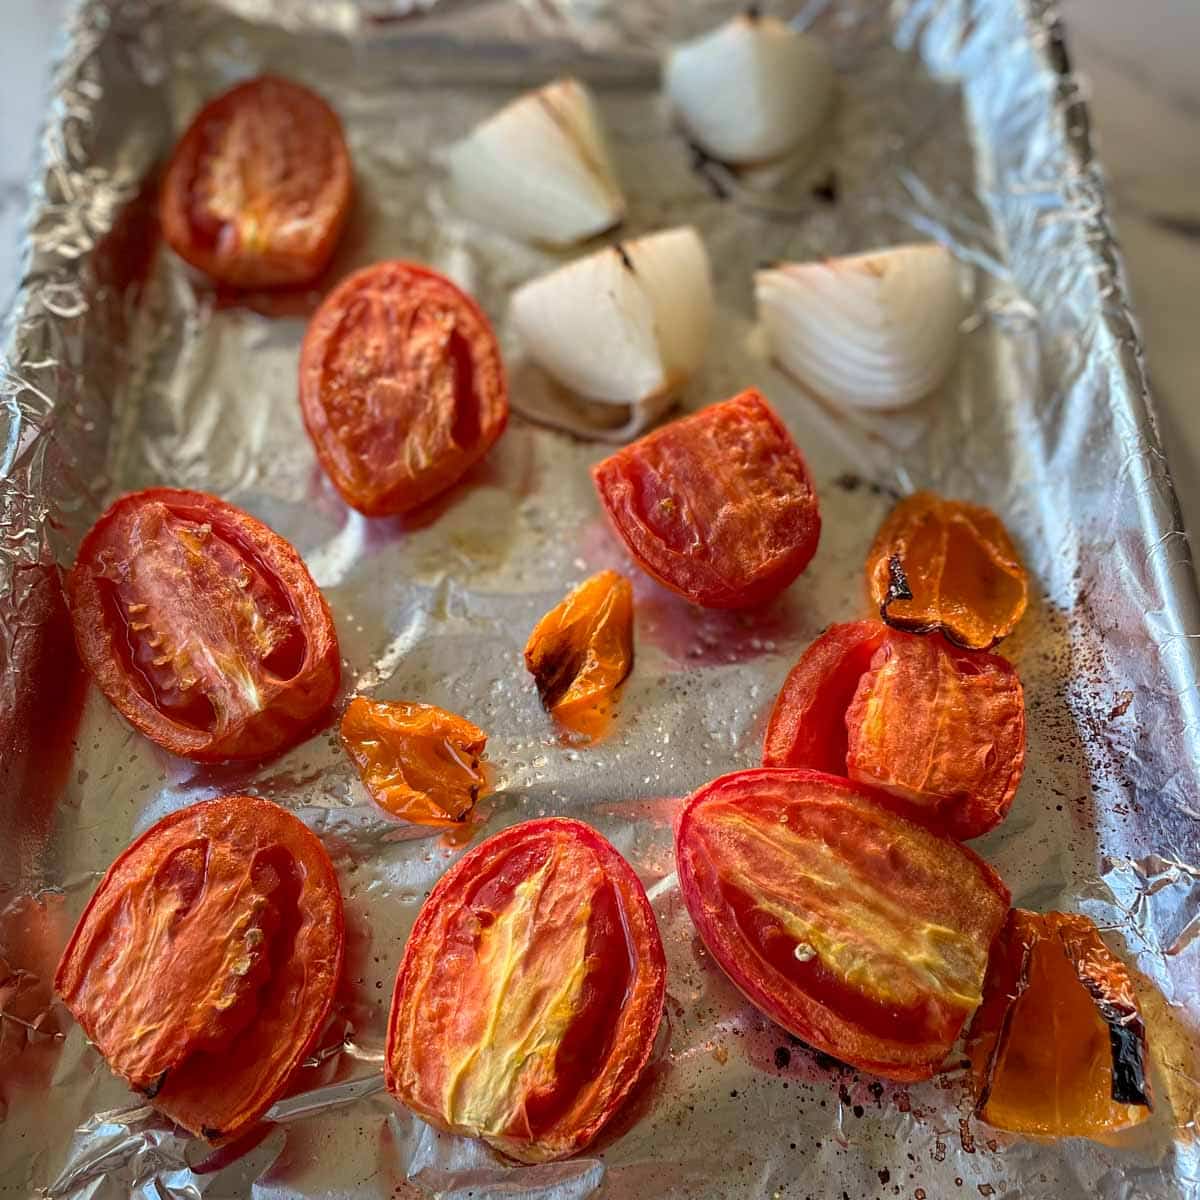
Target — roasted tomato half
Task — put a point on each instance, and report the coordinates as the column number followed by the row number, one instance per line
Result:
column 205, row 965
column 259, row 187
column 940, row 728
column 417, row 761
column 808, row 723
column 946, row 565
column 859, row 931
column 582, row 649
column 530, row 993
column 1058, row 1046
column 401, row 386
column 718, row 506
column 202, row 626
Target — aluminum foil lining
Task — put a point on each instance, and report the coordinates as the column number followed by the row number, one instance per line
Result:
column 957, row 120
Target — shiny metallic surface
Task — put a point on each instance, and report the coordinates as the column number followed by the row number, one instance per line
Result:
column 956, row 119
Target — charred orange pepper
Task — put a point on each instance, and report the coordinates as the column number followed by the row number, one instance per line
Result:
column 418, row 762
column 945, row 565
column 1058, row 1046
column 582, row 649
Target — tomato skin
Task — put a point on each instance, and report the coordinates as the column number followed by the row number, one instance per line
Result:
column 402, row 387
column 542, row 935
column 165, row 563
column 939, row 728
column 831, row 912
column 1089, row 1079
column 808, row 723
column 948, row 566
column 718, row 506
column 259, row 187
column 232, row 898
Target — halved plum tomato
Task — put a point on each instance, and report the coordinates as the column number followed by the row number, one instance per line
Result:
column 202, row 626
column 259, row 187
column 717, row 506
column 939, row 728
column 205, row 965
column 950, row 566
column 417, row 761
column 808, row 723
column 530, row 992
column 1058, row 1046
column 582, row 649
column 402, row 387
column 861, row 932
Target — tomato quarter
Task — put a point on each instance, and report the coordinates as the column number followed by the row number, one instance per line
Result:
column 582, row 649
column 717, row 506
column 940, row 728
column 857, row 930
column 1058, row 1047
column 202, row 626
column 418, row 762
column 205, row 965
column 946, row 565
column 259, row 187
column 401, row 386
column 530, row 993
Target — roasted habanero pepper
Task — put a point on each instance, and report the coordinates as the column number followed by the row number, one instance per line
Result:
column 417, row 761
column 1058, row 1046
column 581, row 651
column 950, row 566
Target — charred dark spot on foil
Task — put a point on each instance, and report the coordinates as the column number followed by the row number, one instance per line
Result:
column 710, row 171
column 826, row 190
column 1183, row 226
column 848, row 481
column 626, row 261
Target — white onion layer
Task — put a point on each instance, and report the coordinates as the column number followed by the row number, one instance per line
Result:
column 539, row 169
column 627, row 325
column 751, row 90
column 871, row 331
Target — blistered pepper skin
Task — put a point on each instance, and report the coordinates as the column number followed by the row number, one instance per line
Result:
column 530, row 992
column 417, row 761
column 945, row 565
column 1058, row 1046
column 581, row 651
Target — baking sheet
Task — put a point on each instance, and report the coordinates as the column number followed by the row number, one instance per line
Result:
column 957, row 120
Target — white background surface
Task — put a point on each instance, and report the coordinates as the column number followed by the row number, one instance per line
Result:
column 1140, row 61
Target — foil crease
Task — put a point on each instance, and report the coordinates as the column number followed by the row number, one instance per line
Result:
column 957, row 119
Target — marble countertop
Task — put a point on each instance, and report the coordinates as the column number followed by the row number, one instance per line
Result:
column 1139, row 65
